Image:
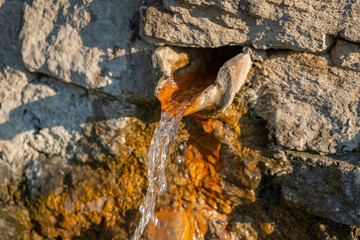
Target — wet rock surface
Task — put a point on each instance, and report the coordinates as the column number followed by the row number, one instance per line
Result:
column 14, row 222
column 77, row 114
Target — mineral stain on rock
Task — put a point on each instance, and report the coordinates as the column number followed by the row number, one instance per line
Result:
column 197, row 195
column 77, row 114
column 181, row 94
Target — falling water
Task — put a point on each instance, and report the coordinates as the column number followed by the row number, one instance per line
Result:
column 178, row 97
column 158, row 154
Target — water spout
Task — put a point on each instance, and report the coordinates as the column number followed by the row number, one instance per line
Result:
column 187, row 86
column 205, row 90
column 157, row 157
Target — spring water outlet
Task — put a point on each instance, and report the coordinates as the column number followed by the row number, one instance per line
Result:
column 193, row 80
column 190, row 82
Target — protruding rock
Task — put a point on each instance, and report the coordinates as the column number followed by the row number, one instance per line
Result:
column 230, row 78
column 346, row 55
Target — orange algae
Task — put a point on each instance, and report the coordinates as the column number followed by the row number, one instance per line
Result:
column 197, row 198
column 182, row 91
column 199, row 185
column 198, row 203
column 98, row 202
column 175, row 225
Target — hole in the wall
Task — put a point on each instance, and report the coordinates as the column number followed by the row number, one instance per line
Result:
column 212, row 58
column 222, row 54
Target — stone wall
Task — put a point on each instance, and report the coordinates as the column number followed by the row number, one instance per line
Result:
column 77, row 114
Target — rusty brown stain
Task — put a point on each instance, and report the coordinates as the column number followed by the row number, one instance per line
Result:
column 182, row 91
column 197, row 198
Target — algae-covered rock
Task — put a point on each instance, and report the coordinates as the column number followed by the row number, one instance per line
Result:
column 94, row 198
column 77, row 114
column 15, row 223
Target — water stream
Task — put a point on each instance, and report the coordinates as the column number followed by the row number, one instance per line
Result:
column 157, row 158
column 177, row 97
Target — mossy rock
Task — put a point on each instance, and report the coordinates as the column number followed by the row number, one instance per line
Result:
column 14, row 223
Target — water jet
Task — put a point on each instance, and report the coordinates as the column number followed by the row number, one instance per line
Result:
column 191, row 81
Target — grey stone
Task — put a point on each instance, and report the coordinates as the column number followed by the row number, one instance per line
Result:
column 14, row 154
column 39, row 115
column 46, row 115
column 308, row 104
column 346, row 55
column 45, row 176
column 92, row 44
column 10, row 25
column 297, row 25
column 12, row 82
column 327, row 186
column 14, row 222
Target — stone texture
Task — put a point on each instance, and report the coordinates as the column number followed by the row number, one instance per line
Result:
column 92, row 44
column 327, row 186
column 14, row 223
column 41, row 116
column 12, row 81
column 73, row 147
column 45, row 115
column 308, row 104
column 10, row 44
column 12, row 159
column 313, row 106
column 346, row 55
column 48, row 124
column 298, row 25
